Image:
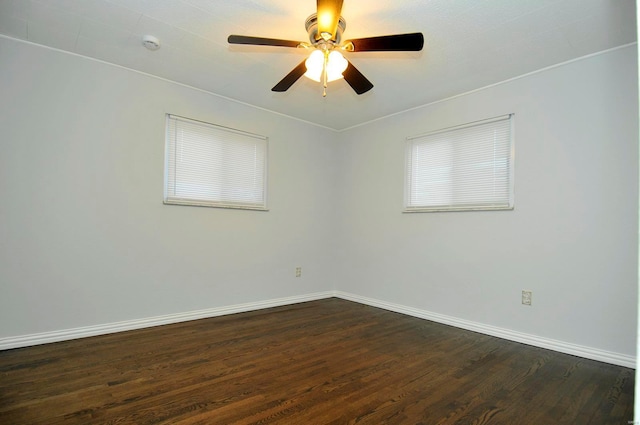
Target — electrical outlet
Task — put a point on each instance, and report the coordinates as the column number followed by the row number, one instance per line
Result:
column 298, row 271
column 526, row 297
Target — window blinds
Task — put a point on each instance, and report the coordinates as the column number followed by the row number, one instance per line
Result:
column 461, row 168
column 209, row 165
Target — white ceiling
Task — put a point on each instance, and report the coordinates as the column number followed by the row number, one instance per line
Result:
column 468, row 44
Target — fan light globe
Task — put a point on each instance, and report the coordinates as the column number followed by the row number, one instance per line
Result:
column 336, row 64
column 314, row 64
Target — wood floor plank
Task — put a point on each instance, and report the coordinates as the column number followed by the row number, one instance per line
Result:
column 323, row 362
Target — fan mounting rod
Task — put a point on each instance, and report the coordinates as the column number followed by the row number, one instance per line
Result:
column 311, row 25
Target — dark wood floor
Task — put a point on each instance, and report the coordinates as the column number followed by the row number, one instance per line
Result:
column 322, row 362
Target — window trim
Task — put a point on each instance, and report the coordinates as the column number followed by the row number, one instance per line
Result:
column 175, row 200
column 409, row 141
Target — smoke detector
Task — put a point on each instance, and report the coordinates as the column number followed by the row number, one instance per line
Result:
column 150, row 42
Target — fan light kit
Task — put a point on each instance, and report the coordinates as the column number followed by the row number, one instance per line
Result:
column 326, row 62
column 334, row 64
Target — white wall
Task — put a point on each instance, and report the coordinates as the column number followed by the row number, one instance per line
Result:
column 572, row 238
column 85, row 239
column 84, row 236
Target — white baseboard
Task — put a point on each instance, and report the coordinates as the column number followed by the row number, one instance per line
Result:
column 536, row 341
column 551, row 344
column 86, row 331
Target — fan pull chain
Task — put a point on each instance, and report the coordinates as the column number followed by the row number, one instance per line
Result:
column 324, row 73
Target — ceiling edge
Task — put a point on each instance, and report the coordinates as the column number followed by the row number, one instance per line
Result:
column 590, row 55
column 316, row 124
column 167, row 80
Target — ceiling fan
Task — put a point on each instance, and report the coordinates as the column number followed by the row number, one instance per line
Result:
column 326, row 63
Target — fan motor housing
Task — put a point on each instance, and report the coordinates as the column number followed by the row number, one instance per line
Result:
column 311, row 25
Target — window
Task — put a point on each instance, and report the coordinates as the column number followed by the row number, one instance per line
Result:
column 209, row 165
column 469, row 167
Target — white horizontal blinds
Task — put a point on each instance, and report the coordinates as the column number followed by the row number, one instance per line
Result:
column 466, row 167
column 215, row 166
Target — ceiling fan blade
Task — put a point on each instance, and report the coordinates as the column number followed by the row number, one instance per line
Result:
column 411, row 42
column 328, row 16
column 261, row 41
column 291, row 78
column 356, row 79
